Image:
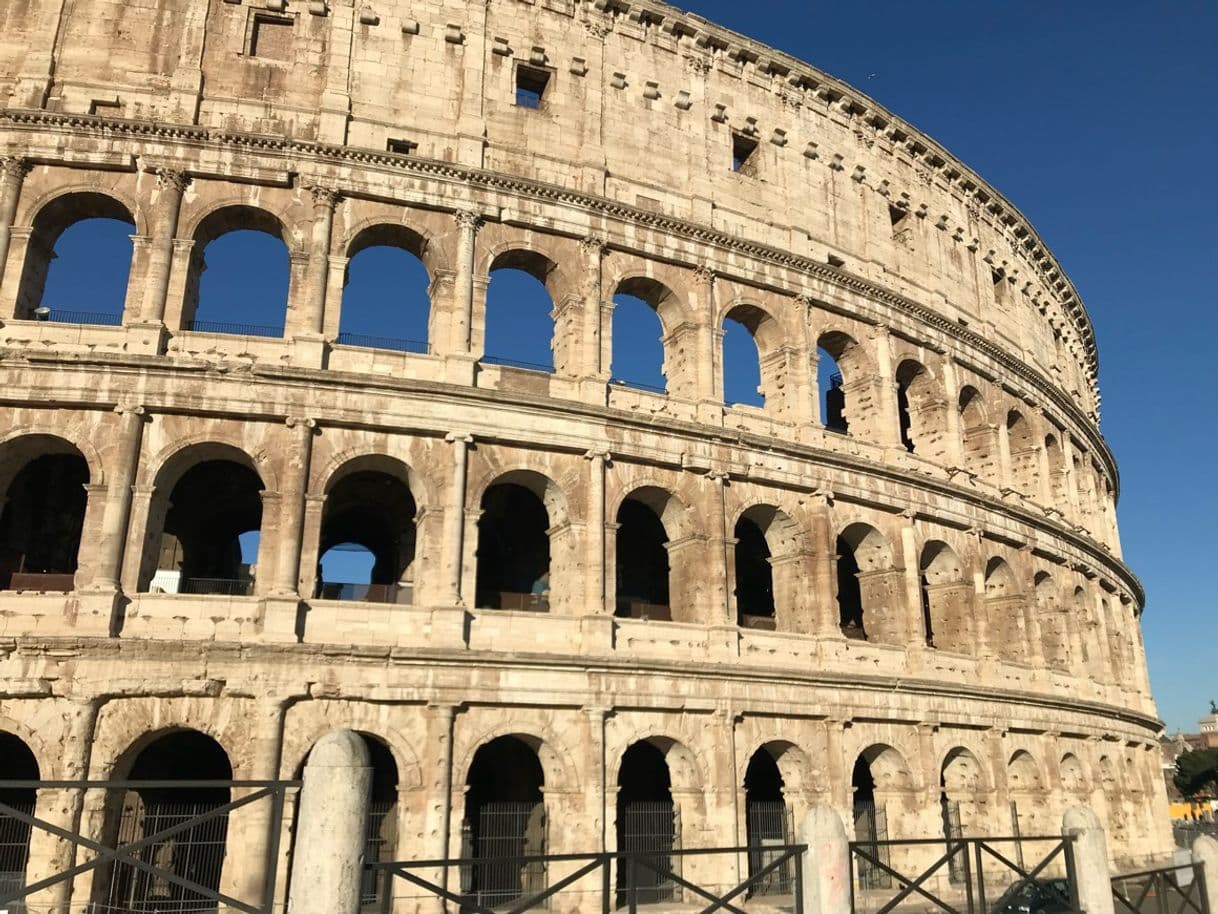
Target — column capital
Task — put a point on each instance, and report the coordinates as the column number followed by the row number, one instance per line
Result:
column 468, row 219
column 135, row 409
column 593, row 246
column 171, row 178
column 300, row 422
column 595, row 454
column 805, row 300
column 14, row 167
column 459, row 438
column 323, row 196
column 704, row 276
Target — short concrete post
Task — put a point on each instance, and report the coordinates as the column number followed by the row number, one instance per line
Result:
column 826, row 864
column 1090, row 860
column 1205, row 852
column 329, row 848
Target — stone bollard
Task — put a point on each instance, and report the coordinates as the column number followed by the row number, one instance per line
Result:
column 1205, row 852
column 328, row 853
column 826, row 864
column 1090, row 860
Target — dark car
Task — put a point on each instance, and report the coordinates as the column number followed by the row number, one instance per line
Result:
column 1035, row 896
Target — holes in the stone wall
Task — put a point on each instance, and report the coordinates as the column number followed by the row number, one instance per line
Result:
column 531, row 85
column 401, row 147
column 744, row 154
column 270, row 37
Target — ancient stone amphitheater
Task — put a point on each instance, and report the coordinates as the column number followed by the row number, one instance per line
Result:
column 895, row 587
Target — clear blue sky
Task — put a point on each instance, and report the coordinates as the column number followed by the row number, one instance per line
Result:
column 1099, row 120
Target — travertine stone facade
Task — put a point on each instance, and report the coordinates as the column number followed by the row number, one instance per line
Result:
column 973, row 488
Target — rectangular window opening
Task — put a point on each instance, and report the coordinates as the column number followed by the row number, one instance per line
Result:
column 744, row 149
column 531, row 84
column 401, row 147
column 271, row 37
column 897, row 215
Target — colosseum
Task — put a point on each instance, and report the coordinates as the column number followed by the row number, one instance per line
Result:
column 598, row 609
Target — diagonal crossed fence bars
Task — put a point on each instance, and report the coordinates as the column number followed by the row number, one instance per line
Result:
column 965, row 862
column 130, row 853
column 1169, row 890
column 630, row 866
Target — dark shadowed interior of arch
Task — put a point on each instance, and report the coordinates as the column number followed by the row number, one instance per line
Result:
column 381, row 826
column 928, row 621
column 241, row 279
column 754, row 577
column 870, row 821
column 196, row 852
column 645, row 822
column 832, row 395
column 504, row 817
column 87, row 279
column 211, row 507
column 637, row 345
column 513, row 550
column 849, row 593
column 519, row 325
column 42, row 520
column 385, row 301
column 767, row 822
column 741, row 365
column 17, row 763
column 374, row 512
column 907, row 373
column 642, row 563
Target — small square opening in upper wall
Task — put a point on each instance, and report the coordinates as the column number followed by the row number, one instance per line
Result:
column 271, row 37
column 531, row 85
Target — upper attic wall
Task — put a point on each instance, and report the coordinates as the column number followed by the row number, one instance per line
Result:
column 641, row 106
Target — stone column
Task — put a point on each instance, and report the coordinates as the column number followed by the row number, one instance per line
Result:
column 596, row 358
column 171, row 185
column 888, row 425
column 293, row 486
column 718, row 557
column 1090, row 860
column 317, row 271
column 118, row 502
column 13, row 170
column 826, row 864
column 708, row 349
column 454, row 518
column 468, row 224
column 982, row 623
column 326, row 871
column 438, row 791
column 594, row 573
column 951, row 392
column 913, row 580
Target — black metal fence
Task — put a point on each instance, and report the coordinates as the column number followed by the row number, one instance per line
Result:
column 235, row 329
column 1169, row 890
column 991, row 880
column 87, row 318
column 617, row 881
column 769, row 828
column 368, row 341
column 158, row 846
column 230, row 587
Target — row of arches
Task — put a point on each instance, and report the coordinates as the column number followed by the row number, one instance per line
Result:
column 204, row 535
column 205, row 528
column 502, row 801
column 244, row 261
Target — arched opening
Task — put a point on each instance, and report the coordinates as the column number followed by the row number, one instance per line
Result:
column 239, row 274
column 1025, row 456
column 767, row 823
column 864, row 570
column 754, row 577
column 1005, row 610
column 870, row 824
column 42, row 515
column 386, row 303
column 638, row 337
column 78, row 261
column 197, row 852
column 831, row 349
column 946, row 600
column 962, row 795
column 505, row 817
column 381, row 826
column 907, row 373
column 17, row 763
column 1058, row 477
column 641, row 566
column 208, row 540
column 1074, row 781
column 978, row 434
column 1026, row 789
column 646, row 826
column 513, row 550
column 1054, row 632
column 519, row 313
column 367, row 544
column 742, row 383
column 920, row 411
